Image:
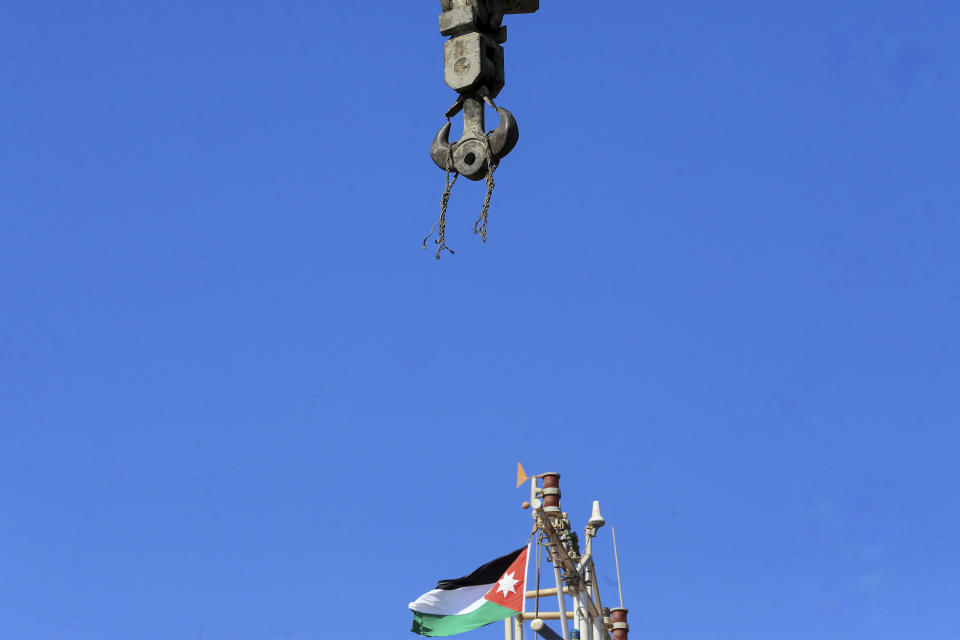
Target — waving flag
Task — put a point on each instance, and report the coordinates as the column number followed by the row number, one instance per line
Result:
column 492, row 592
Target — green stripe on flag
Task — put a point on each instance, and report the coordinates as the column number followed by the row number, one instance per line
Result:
column 427, row 624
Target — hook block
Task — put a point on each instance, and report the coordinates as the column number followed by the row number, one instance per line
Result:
column 472, row 61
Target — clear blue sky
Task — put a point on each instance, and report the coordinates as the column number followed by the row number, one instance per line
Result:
column 720, row 293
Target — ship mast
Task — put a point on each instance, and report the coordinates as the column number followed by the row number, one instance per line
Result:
column 573, row 571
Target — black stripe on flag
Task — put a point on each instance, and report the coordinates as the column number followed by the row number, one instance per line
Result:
column 487, row 574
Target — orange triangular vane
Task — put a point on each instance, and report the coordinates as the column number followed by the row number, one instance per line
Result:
column 521, row 475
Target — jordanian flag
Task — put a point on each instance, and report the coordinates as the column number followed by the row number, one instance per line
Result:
column 493, row 592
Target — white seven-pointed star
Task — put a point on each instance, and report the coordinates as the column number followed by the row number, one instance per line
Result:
column 507, row 584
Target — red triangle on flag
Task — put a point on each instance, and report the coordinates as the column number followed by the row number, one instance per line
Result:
column 508, row 591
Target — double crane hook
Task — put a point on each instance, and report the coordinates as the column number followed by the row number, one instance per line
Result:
column 477, row 150
column 473, row 67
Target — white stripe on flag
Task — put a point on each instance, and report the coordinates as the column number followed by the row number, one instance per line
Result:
column 451, row 602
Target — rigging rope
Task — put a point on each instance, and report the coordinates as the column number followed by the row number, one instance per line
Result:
column 480, row 225
column 441, row 225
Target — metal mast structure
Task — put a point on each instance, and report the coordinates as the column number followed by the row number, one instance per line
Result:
column 573, row 571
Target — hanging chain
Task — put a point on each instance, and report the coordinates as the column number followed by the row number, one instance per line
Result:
column 480, row 224
column 440, row 227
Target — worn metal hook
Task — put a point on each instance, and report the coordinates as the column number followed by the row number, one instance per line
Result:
column 472, row 153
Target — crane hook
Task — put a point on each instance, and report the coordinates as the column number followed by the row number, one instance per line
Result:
column 474, row 153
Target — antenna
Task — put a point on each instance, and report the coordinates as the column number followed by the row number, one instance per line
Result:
column 596, row 518
column 616, row 558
